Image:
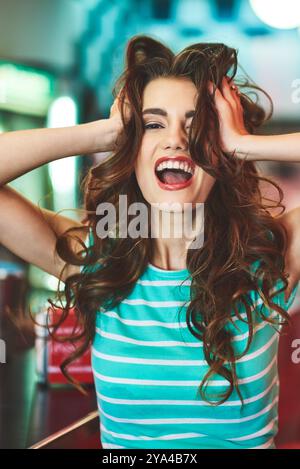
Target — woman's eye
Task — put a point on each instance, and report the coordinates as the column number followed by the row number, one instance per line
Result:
column 149, row 126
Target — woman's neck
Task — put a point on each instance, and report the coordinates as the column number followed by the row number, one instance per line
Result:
column 172, row 235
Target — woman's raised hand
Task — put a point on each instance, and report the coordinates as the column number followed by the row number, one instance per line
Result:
column 105, row 132
column 235, row 137
column 115, row 115
column 115, row 109
column 230, row 113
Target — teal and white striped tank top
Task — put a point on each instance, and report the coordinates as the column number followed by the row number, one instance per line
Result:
column 147, row 368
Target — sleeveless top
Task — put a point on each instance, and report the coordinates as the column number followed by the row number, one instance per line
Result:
column 148, row 366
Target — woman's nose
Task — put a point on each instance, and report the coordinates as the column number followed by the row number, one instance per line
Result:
column 176, row 138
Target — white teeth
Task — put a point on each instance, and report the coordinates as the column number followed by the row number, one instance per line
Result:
column 176, row 165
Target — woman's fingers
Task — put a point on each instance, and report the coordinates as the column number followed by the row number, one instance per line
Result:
column 236, row 95
column 115, row 109
column 238, row 110
column 229, row 91
column 233, row 97
column 232, row 94
column 230, row 113
column 115, row 116
column 220, row 101
column 226, row 100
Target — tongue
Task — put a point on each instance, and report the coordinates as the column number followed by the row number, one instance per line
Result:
column 174, row 176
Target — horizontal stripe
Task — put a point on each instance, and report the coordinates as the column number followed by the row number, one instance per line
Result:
column 194, row 403
column 147, row 361
column 136, row 323
column 260, row 432
column 163, row 283
column 191, row 435
column 166, row 343
column 177, row 325
column 154, row 304
column 173, row 436
column 266, row 445
column 148, row 366
column 128, row 340
column 153, row 382
column 111, row 446
column 168, row 421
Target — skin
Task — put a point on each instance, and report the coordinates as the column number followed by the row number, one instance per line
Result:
column 168, row 136
column 22, row 151
column 234, row 137
column 21, row 221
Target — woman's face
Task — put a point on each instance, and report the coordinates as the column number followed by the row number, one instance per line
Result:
column 168, row 107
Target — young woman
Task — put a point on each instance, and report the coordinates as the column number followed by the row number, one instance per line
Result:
column 184, row 341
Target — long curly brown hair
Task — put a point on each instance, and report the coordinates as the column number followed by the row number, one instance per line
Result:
column 239, row 226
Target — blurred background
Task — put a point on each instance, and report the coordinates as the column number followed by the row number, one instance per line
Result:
column 59, row 60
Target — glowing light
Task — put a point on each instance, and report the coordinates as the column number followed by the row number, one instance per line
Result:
column 63, row 113
column 281, row 14
column 25, row 90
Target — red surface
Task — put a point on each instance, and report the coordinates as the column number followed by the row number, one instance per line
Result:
column 79, row 369
column 289, row 399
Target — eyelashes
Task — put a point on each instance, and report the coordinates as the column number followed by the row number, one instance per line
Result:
column 149, row 126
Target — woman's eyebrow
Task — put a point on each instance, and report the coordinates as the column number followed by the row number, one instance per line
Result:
column 162, row 112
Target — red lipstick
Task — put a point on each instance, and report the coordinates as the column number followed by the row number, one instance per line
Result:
column 179, row 186
column 179, row 158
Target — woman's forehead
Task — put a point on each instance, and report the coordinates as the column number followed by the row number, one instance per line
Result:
column 169, row 92
column 168, row 83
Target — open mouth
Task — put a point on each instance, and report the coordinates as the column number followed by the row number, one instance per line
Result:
column 173, row 175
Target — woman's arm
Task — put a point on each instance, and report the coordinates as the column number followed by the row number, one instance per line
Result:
column 235, row 137
column 284, row 147
column 29, row 232
column 25, row 229
column 291, row 221
column 24, row 150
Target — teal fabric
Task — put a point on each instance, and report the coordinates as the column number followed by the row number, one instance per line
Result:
column 147, row 368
